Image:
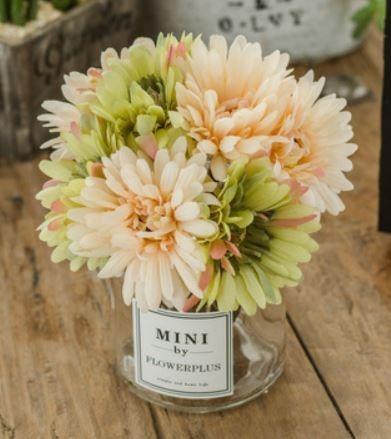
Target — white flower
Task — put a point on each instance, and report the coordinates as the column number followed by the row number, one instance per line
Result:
column 62, row 117
column 146, row 217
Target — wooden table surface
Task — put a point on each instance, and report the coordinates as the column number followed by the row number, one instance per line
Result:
column 56, row 378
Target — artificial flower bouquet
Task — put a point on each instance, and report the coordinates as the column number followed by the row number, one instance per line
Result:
column 194, row 173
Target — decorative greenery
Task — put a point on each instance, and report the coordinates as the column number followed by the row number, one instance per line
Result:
column 373, row 10
column 19, row 12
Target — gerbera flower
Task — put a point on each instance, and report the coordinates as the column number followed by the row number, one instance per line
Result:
column 136, row 93
column 232, row 99
column 146, row 218
column 315, row 147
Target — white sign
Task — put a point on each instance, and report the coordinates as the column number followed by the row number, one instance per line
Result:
column 186, row 355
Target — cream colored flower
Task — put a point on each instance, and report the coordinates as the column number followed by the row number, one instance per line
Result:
column 146, row 218
column 315, row 147
column 79, row 87
column 62, row 117
column 232, row 99
column 65, row 117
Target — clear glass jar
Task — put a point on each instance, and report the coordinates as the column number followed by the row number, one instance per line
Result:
column 258, row 355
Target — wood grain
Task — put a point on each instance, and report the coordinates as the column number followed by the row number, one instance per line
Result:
column 343, row 309
column 56, row 375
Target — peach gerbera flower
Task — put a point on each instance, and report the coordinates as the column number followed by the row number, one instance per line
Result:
column 232, row 99
column 316, row 147
column 145, row 217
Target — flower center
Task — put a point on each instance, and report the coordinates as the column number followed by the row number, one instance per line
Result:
column 153, row 220
column 154, row 86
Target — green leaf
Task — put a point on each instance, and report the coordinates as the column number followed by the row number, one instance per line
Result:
column 227, row 293
column 362, row 18
column 380, row 14
column 253, row 285
column 243, row 296
column 272, row 295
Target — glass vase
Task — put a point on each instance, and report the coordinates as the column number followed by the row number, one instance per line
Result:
column 258, row 353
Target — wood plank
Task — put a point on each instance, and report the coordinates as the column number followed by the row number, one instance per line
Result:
column 55, row 372
column 343, row 309
column 297, row 406
column 55, row 376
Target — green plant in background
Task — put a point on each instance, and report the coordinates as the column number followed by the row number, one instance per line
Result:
column 19, row 12
column 64, row 5
column 373, row 10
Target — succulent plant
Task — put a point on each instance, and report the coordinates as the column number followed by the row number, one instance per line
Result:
column 19, row 12
column 64, row 5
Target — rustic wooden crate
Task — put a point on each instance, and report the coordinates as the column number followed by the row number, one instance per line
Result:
column 32, row 70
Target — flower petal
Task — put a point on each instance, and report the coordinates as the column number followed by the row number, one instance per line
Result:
column 187, row 211
column 200, row 228
column 218, row 167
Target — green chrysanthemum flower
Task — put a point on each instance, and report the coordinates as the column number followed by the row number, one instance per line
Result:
column 264, row 232
column 134, row 98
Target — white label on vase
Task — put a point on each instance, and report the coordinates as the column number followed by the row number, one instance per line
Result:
column 185, row 355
